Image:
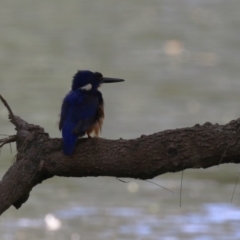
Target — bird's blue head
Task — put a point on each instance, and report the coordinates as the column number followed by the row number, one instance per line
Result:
column 87, row 80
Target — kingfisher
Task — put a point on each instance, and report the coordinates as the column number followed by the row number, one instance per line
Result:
column 82, row 110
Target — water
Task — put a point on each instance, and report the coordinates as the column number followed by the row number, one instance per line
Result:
column 181, row 65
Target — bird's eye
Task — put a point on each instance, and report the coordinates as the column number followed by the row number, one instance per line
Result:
column 98, row 76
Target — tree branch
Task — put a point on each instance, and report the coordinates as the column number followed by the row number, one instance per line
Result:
column 7, row 140
column 40, row 157
column 11, row 115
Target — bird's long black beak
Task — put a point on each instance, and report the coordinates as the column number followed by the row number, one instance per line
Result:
column 111, row 80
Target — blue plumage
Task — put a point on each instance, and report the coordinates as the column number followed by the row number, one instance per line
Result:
column 82, row 108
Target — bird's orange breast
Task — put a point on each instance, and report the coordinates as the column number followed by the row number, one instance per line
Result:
column 96, row 127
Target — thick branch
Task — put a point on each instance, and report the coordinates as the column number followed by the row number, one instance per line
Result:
column 40, row 157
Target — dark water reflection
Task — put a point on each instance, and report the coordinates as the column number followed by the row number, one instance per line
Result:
column 136, row 210
column 210, row 221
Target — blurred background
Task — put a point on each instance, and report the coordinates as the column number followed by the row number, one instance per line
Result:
column 181, row 63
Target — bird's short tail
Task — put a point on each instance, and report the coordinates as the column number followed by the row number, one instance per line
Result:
column 69, row 142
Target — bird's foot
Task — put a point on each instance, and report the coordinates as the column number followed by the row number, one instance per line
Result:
column 89, row 136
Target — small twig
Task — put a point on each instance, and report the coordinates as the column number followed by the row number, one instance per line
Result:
column 226, row 150
column 35, row 174
column 122, row 180
column 9, row 139
column 159, row 185
column 12, row 117
column 223, row 155
column 146, row 181
column 235, row 187
column 180, row 203
column 10, row 147
column 23, row 145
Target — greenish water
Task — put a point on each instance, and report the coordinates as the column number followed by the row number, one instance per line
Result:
column 181, row 63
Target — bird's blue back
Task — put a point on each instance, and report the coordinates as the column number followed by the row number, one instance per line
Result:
column 78, row 113
column 82, row 109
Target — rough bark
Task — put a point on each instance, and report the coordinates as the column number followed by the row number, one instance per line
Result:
column 40, row 157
